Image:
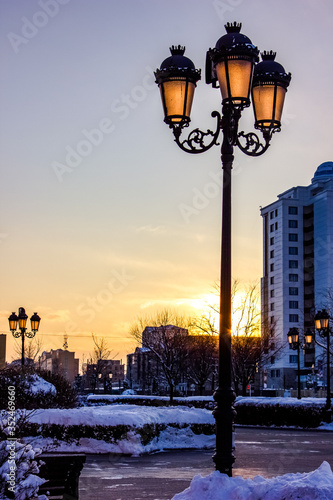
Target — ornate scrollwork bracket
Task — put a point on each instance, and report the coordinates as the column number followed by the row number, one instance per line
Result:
column 30, row 335
column 250, row 143
column 17, row 335
column 198, row 141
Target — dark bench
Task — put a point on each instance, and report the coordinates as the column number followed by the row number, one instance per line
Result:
column 62, row 472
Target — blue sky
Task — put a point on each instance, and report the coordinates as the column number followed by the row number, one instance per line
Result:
column 95, row 244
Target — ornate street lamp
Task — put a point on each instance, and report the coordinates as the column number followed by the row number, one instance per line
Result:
column 295, row 344
column 322, row 319
column 21, row 319
column 230, row 66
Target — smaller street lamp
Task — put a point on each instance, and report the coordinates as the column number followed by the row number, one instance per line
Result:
column 21, row 319
column 294, row 343
column 322, row 319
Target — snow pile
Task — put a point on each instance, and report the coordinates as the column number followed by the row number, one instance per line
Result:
column 123, row 415
column 37, row 385
column 316, row 485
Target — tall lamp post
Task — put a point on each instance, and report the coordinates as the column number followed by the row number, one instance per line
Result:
column 22, row 332
column 231, row 65
column 322, row 319
column 294, row 343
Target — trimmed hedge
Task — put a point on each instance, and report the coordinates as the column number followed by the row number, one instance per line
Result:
column 309, row 416
column 107, row 433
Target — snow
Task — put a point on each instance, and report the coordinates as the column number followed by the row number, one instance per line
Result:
column 123, row 415
column 38, row 384
column 316, row 485
column 129, row 415
column 263, row 400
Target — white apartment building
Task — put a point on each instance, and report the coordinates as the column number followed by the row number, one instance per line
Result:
column 297, row 274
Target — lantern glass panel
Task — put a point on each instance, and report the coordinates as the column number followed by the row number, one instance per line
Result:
column 295, row 337
column 240, row 74
column 263, row 103
column 23, row 321
column 175, row 93
column 308, row 338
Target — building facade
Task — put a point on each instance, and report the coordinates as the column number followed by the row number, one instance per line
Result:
column 105, row 375
column 2, row 350
column 60, row 362
column 297, row 276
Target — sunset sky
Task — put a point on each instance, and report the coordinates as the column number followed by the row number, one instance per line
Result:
column 103, row 217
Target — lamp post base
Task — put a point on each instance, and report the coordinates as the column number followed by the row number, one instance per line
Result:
column 224, row 415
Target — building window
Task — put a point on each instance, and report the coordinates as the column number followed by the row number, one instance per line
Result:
column 271, row 215
column 292, row 210
column 272, row 319
column 293, row 264
column 271, row 228
column 272, row 293
column 277, row 373
column 293, row 358
column 293, row 237
column 272, row 267
column 293, row 224
column 276, row 212
column 272, row 241
column 293, row 304
column 272, row 254
column 293, row 318
column 272, row 280
column 272, row 373
column 272, row 306
column 276, row 225
column 293, row 251
column 293, row 277
column 272, row 360
column 293, row 290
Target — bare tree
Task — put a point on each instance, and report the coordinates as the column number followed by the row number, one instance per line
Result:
column 202, row 359
column 165, row 335
column 32, row 347
column 99, row 369
column 252, row 343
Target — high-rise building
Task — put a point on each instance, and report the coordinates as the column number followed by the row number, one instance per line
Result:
column 2, row 350
column 297, row 274
column 60, row 362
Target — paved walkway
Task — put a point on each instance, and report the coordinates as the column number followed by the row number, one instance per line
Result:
column 162, row 475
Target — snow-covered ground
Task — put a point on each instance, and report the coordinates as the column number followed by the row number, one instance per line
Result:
column 316, row 485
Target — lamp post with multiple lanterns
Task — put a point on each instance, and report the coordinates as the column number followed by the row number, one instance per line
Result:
column 322, row 319
column 233, row 67
column 21, row 319
column 295, row 343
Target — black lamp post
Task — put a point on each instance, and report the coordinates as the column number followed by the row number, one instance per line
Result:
column 295, row 344
column 231, row 65
column 21, row 319
column 322, row 319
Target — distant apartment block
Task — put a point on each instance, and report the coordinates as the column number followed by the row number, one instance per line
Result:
column 106, row 373
column 297, row 273
column 60, row 362
column 2, row 350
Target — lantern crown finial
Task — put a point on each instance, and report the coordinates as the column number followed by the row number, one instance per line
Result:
column 233, row 27
column 177, row 50
column 268, row 55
